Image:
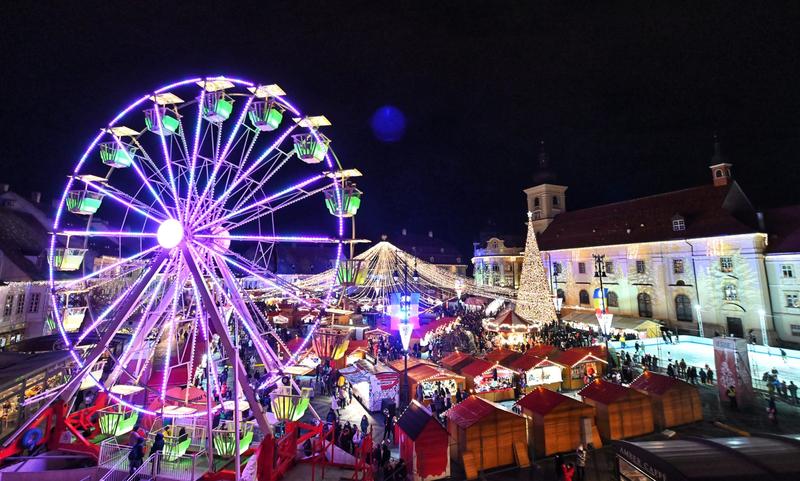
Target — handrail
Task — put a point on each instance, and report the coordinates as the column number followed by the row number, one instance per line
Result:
column 114, row 468
column 151, row 461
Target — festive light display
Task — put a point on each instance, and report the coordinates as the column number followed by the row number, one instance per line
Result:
column 534, row 298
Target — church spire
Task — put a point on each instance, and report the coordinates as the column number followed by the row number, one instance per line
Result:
column 717, row 158
column 720, row 168
column 544, row 175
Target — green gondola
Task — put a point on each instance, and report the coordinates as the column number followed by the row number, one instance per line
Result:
column 311, row 149
column 83, row 202
column 265, row 116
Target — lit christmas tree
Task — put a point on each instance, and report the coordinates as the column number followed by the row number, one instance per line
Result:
column 534, row 302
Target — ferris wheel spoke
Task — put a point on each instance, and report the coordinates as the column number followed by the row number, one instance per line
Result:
column 221, row 330
column 167, row 160
column 249, row 190
column 158, row 177
column 142, row 176
column 285, row 202
column 105, row 233
column 276, row 238
column 124, row 199
column 245, row 174
column 195, row 146
column 295, row 190
column 68, row 284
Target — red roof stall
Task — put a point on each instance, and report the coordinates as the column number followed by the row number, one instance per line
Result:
column 621, row 412
column 538, row 371
column 503, row 356
column 423, row 444
column 456, row 360
column 484, row 435
column 675, row 402
column 489, row 380
column 579, row 364
column 558, row 421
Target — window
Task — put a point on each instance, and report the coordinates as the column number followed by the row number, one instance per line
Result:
column 640, row 267
column 556, row 268
column 555, row 201
column 581, row 268
column 560, row 293
column 730, row 293
column 726, row 264
column 795, row 329
column 21, row 303
column 645, row 305
column 792, row 299
column 536, row 202
column 583, row 297
column 33, row 306
column 9, row 305
column 677, row 266
column 613, row 300
column 683, row 308
column 788, row 271
column 609, row 267
column 537, row 215
column 678, row 223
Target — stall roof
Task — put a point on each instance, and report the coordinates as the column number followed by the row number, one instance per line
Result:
column 541, row 401
column 503, row 356
column 456, row 360
column 529, row 361
column 437, row 323
column 540, row 350
column 424, row 372
column 478, row 367
column 399, row 364
column 414, row 419
column 657, row 384
column 472, row 410
column 508, row 320
column 356, row 345
column 604, row 392
column 574, row 356
column 751, row 458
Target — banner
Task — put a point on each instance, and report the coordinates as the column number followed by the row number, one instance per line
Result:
column 733, row 369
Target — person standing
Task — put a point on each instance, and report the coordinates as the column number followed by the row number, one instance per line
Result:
column 364, row 425
column 709, row 375
column 334, row 405
column 157, row 447
column 731, row 393
column 772, row 411
column 792, row 388
column 580, row 463
column 558, row 464
column 136, row 456
column 569, row 471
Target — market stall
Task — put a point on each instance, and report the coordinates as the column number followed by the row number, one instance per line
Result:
column 675, row 402
column 373, row 383
column 621, row 412
column 503, row 356
column 489, row 380
column 431, row 378
column 423, row 443
column 558, row 422
column 485, row 435
column 538, row 371
column 580, row 365
column 456, row 360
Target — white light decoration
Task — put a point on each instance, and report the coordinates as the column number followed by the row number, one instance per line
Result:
column 557, row 302
column 169, row 234
column 533, row 299
column 405, row 330
column 762, row 317
column 604, row 320
column 699, row 319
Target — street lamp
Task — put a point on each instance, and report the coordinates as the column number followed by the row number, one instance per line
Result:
column 603, row 317
column 699, row 319
column 405, row 328
column 762, row 317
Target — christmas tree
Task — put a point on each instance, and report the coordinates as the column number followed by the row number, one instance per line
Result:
column 534, row 301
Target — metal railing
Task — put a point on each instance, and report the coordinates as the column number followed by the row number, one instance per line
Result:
column 117, row 469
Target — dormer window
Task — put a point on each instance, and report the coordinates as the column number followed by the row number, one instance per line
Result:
column 678, row 223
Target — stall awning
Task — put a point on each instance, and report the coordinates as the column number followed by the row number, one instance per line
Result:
column 426, row 372
column 541, row 401
column 657, row 384
column 480, row 366
column 576, row 355
column 472, row 410
column 604, row 392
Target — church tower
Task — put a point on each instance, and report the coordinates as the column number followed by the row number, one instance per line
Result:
column 720, row 168
column 546, row 199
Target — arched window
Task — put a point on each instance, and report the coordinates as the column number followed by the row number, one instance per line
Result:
column 583, row 297
column 613, row 300
column 560, row 293
column 683, row 308
column 536, row 202
column 719, row 172
column 555, row 200
column 645, row 305
column 556, row 268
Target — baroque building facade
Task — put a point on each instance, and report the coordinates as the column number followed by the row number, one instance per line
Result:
column 702, row 259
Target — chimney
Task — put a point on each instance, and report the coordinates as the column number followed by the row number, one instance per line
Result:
column 36, row 197
column 430, row 234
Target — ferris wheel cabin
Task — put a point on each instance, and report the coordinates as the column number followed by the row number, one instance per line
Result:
column 169, row 121
column 117, row 154
column 351, row 201
column 265, row 115
column 217, row 107
column 84, row 202
column 67, row 259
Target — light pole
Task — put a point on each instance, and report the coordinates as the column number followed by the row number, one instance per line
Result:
column 405, row 327
column 699, row 319
column 603, row 319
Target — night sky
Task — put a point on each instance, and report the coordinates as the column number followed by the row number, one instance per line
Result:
column 627, row 97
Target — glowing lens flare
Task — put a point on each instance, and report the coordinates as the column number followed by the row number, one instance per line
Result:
column 170, row 234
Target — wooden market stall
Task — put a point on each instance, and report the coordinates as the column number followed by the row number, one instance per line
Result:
column 503, row 356
column 675, row 402
column 558, row 423
column 456, row 360
column 431, row 378
column 485, row 435
column 579, row 364
column 539, row 371
column 374, row 384
column 423, row 443
column 489, row 380
column 621, row 412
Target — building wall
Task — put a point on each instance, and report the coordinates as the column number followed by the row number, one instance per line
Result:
column 783, row 274
column 722, row 296
column 497, row 265
column 23, row 311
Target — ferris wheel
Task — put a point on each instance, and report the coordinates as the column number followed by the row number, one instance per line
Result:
column 180, row 193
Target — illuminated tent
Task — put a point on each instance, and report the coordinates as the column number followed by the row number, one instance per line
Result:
column 423, row 443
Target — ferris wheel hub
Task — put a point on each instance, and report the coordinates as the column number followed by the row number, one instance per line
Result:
column 169, row 234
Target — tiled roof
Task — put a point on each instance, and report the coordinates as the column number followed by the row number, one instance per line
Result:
column 656, row 384
column 22, row 237
column 604, row 392
column 783, row 226
column 708, row 211
column 414, row 420
column 542, row 401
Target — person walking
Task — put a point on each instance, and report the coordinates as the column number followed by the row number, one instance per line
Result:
column 772, row 411
column 335, row 405
column 709, row 375
column 157, row 447
column 136, row 456
column 702, row 374
column 792, row 388
column 580, row 463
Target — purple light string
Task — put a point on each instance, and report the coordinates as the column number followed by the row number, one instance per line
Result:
column 167, row 159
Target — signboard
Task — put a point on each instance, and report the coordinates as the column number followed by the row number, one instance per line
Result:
column 733, row 369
